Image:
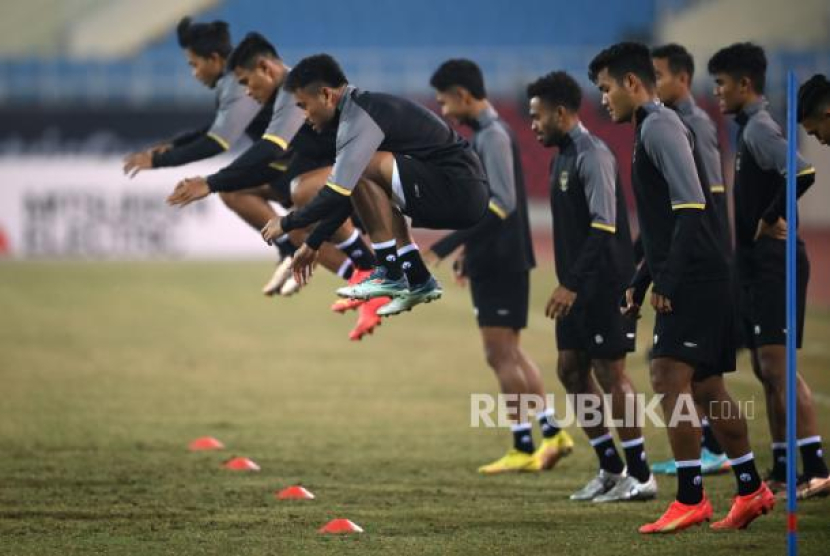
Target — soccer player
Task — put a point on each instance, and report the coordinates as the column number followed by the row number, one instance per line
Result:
column 739, row 72
column 206, row 47
column 814, row 107
column 393, row 155
column 674, row 68
column 497, row 259
column 594, row 261
column 691, row 294
column 287, row 159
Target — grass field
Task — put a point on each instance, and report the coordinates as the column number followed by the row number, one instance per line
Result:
column 108, row 370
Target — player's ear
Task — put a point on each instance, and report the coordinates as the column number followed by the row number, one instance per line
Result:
column 328, row 95
column 744, row 83
column 630, row 81
column 261, row 65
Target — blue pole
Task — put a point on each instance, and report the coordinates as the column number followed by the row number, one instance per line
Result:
column 792, row 149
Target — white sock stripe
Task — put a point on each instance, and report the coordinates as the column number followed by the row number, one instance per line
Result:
column 352, row 238
column 384, row 244
column 743, row 459
column 548, row 413
column 688, row 463
column 632, row 443
column 520, row 427
column 283, row 238
column 776, row 445
column 809, row 440
column 344, row 267
column 407, row 248
column 600, row 439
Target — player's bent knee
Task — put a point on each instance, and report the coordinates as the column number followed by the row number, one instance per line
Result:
column 572, row 377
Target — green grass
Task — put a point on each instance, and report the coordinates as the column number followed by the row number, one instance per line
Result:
column 108, row 370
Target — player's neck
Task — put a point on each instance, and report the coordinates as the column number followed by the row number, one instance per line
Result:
column 278, row 71
column 681, row 99
column 479, row 107
column 750, row 99
column 640, row 99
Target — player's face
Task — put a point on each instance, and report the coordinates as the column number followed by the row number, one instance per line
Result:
column 729, row 92
column 819, row 126
column 544, row 122
column 206, row 70
column 670, row 87
column 258, row 82
column 615, row 97
column 452, row 104
column 319, row 105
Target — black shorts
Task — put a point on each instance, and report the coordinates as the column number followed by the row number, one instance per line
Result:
column 763, row 284
column 700, row 330
column 595, row 325
column 450, row 194
column 501, row 300
column 309, row 151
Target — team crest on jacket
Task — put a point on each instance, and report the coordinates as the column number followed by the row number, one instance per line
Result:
column 563, row 180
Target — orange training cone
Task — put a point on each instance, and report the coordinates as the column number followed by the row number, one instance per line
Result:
column 241, row 464
column 295, row 493
column 205, row 443
column 340, row 526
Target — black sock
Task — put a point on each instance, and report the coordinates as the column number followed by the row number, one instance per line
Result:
column 812, row 457
column 609, row 458
column 746, row 475
column 635, row 459
column 689, row 482
column 548, row 424
column 284, row 246
column 412, row 264
column 346, row 270
column 387, row 256
column 523, row 437
column 779, row 461
column 708, row 438
column 359, row 253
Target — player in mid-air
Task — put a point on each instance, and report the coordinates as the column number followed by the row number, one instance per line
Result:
column 497, row 256
column 739, row 72
column 691, row 292
column 814, row 107
column 393, row 156
column 206, row 47
column 280, row 166
column 594, row 259
column 674, row 69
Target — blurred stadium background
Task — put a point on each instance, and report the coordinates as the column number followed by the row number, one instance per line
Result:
column 82, row 82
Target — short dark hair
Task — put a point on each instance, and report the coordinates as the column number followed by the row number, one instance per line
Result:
column 204, row 39
column 622, row 58
column 678, row 58
column 557, row 89
column 813, row 96
column 459, row 72
column 252, row 48
column 320, row 69
column 742, row 59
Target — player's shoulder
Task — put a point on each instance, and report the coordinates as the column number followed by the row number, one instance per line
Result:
column 495, row 132
column 661, row 128
column 700, row 121
column 761, row 125
column 592, row 149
